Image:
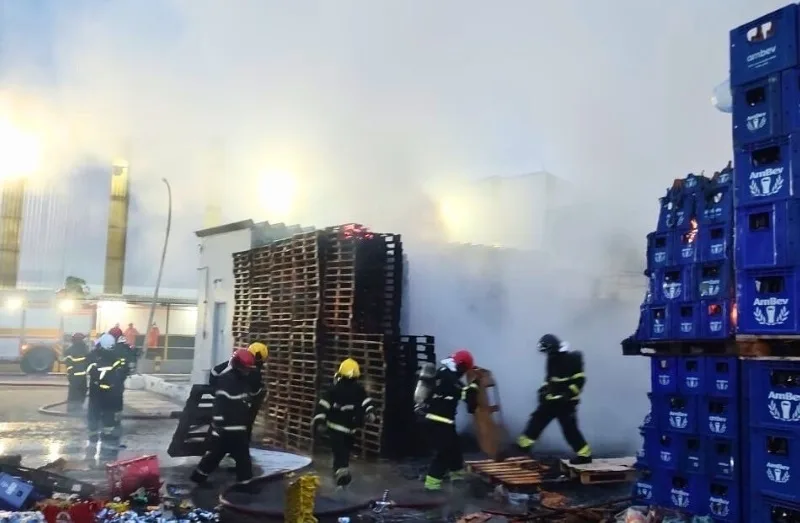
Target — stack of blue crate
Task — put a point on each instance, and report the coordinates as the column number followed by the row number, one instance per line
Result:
column 765, row 78
column 690, row 456
column 689, row 262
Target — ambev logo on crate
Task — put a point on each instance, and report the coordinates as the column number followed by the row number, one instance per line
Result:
column 717, row 424
column 763, row 53
column 756, row 121
column 719, row 507
column 678, row 420
column 721, row 384
column 644, row 490
column 680, row 497
column 766, row 184
column 784, row 406
column 778, row 473
column 771, row 311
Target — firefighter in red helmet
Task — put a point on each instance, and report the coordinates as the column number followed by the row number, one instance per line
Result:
column 231, row 420
column 439, row 410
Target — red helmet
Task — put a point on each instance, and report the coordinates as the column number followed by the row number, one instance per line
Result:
column 463, row 359
column 115, row 331
column 243, row 359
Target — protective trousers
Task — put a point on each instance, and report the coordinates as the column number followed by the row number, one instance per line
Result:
column 104, row 426
column 234, row 443
column 255, row 406
column 447, row 456
column 76, row 393
column 341, row 445
column 566, row 414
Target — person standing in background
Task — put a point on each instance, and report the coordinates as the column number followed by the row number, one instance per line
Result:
column 130, row 334
column 152, row 336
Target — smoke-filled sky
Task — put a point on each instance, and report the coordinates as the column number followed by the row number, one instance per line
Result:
column 376, row 108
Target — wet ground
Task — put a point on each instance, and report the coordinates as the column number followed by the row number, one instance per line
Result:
column 41, row 439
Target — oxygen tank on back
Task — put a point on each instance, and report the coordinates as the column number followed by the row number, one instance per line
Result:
column 425, row 383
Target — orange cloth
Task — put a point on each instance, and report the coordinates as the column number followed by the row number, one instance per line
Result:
column 130, row 335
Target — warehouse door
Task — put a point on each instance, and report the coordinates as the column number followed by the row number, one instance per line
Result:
column 219, row 350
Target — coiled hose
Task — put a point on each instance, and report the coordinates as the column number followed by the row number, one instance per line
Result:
column 300, row 497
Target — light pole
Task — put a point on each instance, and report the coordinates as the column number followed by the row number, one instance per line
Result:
column 160, row 272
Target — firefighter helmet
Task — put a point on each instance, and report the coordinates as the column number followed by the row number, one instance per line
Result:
column 243, row 359
column 259, row 350
column 463, row 360
column 549, row 343
column 107, row 341
column 349, row 369
column 78, row 336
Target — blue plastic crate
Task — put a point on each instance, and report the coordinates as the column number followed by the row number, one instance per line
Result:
column 767, row 301
column 691, row 375
column 769, row 510
column 724, row 501
column 684, row 247
column 685, row 319
column 655, row 323
column 715, row 242
column 768, row 235
column 722, row 376
column 790, row 100
column 773, row 394
column 648, row 488
column 665, row 449
column 764, row 46
column 695, row 183
column 685, row 492
column 14, row 493
column 660, row 250
column 719, row 417
column 663, row 379
column 693, row 454
column 677, row 413
column 716, row 322
column 715, row 205
column 724, row 458
column 775, row 464
column 757, row 110
column 674, row 284
column 767, row 171
column 715, row 280
column 646, row 456
column 676, row 209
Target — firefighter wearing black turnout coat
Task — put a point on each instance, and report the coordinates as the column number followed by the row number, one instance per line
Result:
column 75, row 358
column 229, row 426
column 340, row 411
column 558, row 398
column 257, row 390
column 440, row 416
column 105, row 373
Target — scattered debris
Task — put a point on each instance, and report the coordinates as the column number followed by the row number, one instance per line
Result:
column 477, row 517
column 600, row 471
column 512, row 473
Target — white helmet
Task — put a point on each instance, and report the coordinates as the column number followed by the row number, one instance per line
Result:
column 107, row 341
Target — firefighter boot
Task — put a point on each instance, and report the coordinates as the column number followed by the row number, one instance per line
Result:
column 457, row 475
column 342, row 477
column 584, row 456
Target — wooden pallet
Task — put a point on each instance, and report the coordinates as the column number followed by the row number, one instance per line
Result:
column 599, row 471
column 519, row 472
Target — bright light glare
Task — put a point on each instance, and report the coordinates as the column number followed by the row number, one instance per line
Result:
column 66, row 305
column 14, row 303
column 109, row 313
column 278, row 192
column 22, row 152
column 453, row 214
column 53, row 451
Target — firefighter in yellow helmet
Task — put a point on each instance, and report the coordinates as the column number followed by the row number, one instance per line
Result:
column 343, row 408
column 258, row 391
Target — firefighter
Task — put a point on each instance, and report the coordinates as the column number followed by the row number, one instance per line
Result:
column 106, row 378
column 439, row 412
column 258, row 391
column 558, row 398
column 75, row 359
column 340, row 411
column 229, row 429
column 124, row 349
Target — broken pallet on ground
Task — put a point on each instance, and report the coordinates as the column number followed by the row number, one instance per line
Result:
column 599, row 471
column 519, row 472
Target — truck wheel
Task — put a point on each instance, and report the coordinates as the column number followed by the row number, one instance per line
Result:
column 38, row 360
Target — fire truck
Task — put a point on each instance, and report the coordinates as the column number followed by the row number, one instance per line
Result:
column 35, row 326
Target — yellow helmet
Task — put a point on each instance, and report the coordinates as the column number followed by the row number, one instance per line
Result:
column 349, row 369
column 259, row 350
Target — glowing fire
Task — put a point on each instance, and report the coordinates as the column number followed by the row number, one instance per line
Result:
column 692, row 234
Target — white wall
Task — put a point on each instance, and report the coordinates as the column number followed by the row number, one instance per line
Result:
column 215, row 284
